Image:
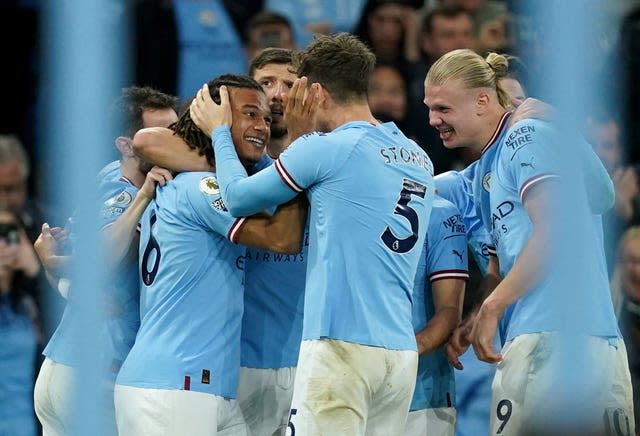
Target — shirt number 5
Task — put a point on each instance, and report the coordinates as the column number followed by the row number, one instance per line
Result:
column 395, row 244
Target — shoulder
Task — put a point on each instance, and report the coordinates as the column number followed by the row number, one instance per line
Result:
column 443, row 211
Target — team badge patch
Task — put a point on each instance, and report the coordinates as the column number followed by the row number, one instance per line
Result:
column 122, row 199
column 486, row 181
column 209, row 186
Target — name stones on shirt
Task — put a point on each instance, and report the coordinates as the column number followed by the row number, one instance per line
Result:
column 403, row 155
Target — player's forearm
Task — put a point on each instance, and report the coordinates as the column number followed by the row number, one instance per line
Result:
column 161, row 147
column 119, row 235
column 527, row 272
column 438, row 330
column 243, row 195
column 288, row 223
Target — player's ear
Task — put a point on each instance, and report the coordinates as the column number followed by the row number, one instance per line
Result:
column 123, row 144
column 482, row 102
column 323, row 96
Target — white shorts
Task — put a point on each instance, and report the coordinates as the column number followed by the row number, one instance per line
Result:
column 535, row 392
column 142, row 411
column 264, row 397
column 343, row 388
column 440, row 421
column 54, row 401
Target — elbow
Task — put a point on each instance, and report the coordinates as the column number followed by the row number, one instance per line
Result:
column 142, row 142
column 235, row 210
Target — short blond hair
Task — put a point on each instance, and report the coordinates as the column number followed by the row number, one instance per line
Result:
column 474, row 71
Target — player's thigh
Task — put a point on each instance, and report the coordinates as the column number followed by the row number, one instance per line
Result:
column 230, row 419
column 432, row 422
column 142, row 411
column 53, row 397
column 332, row 387
column 392, row 395
column 615, row 394
column 264, row 396
column 522, row 379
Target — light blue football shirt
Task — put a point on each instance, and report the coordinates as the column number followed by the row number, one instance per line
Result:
column 529, row 154
column 444, row 256
column 273, row 307
column 191, row 292
column 120, row 300
column 457, row 187
column 370, row 190
column 482, row 176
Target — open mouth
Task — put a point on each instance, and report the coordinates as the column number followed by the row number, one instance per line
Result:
column 257, row 141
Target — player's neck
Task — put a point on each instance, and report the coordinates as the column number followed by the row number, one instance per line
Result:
column 276, row 146
column 492, row 121
column 129, row 168
column 346, row 113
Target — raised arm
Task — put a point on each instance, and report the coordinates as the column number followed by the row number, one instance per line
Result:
column 120, row 237
column 161, row 147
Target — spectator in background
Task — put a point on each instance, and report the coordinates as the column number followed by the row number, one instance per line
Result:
column 490, row 18
column 180, row 44
column 268, row 29
column 604, row 134
column 310, row 17
column 441, row 29
column 625, row 288
column 389, row 28
column 14, row 176
column 388, row 97
column 20, row 333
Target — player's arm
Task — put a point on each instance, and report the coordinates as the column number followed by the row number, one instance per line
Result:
column 120, row 237
column 448, row 295
column 55, row 265
column 161, row 147
column 601, row 188
column 244, row 196
column 601, row 192
column 459, row 341
column 282, row 232
column 526, row 273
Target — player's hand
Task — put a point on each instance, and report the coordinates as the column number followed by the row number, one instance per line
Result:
column 531, row 108
column 155, row 177
column 458, row 344
column 48, row 246
column 484, row 330
column 208, row 115
column 300, row 108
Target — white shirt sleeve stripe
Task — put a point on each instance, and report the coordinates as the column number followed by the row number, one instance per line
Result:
column 286, row 178
column 532, row 181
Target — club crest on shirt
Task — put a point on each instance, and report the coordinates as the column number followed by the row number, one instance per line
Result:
column 122, row 199
column 486, row 181
column 209, row 186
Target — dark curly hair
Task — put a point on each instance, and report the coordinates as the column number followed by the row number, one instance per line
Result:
column 189, row 131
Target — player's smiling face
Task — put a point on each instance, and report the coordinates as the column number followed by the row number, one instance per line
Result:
column 453, row 111
column 251, row 123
